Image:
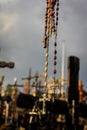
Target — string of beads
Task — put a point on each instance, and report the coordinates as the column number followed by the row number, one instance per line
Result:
column 51, row 27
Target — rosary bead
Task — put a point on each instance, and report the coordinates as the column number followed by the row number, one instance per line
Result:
column 46, row 75
column 58, row 4
column 46, row 69
column 55, row 51
column 56, row 13
column 55, row 62
column 47, row 55
column 57, row 8
column 55, row 57
column 45, row 26
column 51, row 14
column 55, row 44
column 51, row 6
column 57, row 18
column 56, row 23
column 46, row 63
column 54, row 71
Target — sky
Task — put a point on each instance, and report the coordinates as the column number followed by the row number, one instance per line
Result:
column 21, row 35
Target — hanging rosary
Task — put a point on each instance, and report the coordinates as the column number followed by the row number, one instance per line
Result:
column 51, row 27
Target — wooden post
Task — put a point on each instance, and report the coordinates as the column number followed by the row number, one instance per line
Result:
column 73, row 93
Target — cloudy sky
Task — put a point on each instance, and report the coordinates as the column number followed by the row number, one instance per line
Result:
column 21, row 34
